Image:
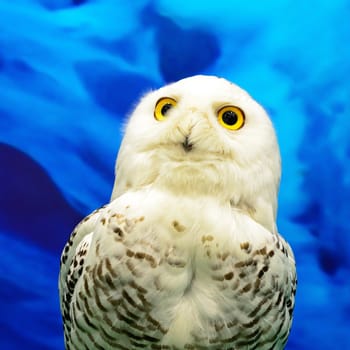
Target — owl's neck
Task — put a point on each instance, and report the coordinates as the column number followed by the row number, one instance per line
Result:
column 200, row 182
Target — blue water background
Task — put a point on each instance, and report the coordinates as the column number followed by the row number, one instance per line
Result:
column 70, row 71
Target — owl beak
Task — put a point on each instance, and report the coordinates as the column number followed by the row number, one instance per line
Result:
column 187, row 146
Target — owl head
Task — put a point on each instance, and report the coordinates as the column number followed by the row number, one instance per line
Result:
column 203, row 136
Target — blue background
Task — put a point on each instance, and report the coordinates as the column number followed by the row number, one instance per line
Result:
column 70, row 71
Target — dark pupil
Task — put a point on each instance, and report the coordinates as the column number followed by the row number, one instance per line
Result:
column 230, row 118
column 165, row 108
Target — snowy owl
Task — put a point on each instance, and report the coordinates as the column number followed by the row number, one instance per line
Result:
column 187, row 254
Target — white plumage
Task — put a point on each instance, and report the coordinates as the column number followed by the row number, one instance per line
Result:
column 187, row 254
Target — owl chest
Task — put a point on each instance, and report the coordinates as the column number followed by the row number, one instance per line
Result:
column 190, row 275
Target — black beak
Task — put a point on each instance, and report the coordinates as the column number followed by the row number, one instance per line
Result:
column 187, row 145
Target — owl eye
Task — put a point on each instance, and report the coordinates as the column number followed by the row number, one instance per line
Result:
column 162, row 107
column 231, row 117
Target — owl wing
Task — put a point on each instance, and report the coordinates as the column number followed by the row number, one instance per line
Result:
column 112, row 280
column 285, row 288
column 72, row 262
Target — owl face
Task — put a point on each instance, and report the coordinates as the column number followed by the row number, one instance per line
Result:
column 201, row 136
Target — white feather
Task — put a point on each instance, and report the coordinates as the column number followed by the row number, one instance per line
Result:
column 187, row 253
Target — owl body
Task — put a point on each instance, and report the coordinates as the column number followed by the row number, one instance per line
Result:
column 186, row 255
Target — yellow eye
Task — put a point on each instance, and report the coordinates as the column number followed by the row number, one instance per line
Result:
column 162, row 107
column 231, row 117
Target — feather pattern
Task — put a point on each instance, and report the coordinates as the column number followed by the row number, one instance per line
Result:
column 187, row 254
